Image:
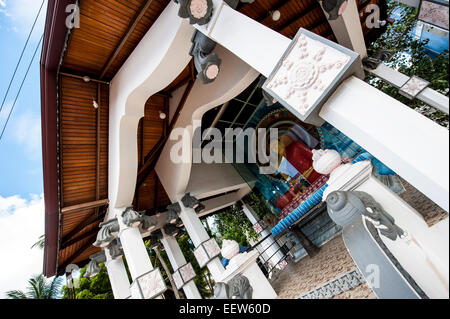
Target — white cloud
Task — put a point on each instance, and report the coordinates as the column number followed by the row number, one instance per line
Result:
column 21, row 224
column 26, row 130
column 22, row 14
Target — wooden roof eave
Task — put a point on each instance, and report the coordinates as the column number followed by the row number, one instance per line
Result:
column 52, row 49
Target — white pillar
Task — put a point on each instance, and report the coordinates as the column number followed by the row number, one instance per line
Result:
column 270, row 247
column 410, row 144
column 347, row 29
column 134, row 249
column 198, row 235
column 177, row 260
column 428, row 95
column 117, row 277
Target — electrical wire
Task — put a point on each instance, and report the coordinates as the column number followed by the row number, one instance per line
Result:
column 21, row 56
column 21, row 85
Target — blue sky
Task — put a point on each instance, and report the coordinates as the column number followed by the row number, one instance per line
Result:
column 21, row 201
column 20, row 148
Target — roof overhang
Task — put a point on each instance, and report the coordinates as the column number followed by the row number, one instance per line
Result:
column 54, row 39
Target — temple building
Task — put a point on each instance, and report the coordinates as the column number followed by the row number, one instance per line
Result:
column 158, row 114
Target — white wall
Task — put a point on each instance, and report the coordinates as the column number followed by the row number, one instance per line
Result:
column 158, row 59
column 234, row 77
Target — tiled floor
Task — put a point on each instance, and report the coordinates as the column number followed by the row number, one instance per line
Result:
column 331, row 262
column 431, row 212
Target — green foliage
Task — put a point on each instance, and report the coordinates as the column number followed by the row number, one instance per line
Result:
column 203, row 279
column 232, row 224
column 40, row 244
column 258, row 204
column 97, row 287
column 39, row 288
column 411, row 59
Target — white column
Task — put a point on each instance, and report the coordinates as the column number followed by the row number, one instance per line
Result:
column 177, row 260
column 198, row 235
column 424, row 251
column 428, row 95
column 410, row 144
column 347, row 29
column 117, row 277
column 270, row 247
column 134, row 249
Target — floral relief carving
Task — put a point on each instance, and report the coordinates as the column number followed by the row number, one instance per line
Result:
column 308, row 69
column 212, row 248
column 152, row 284
column 187, row 272
column 413, row 87
column 435, row 14
column 201, row 256
column 148, row 286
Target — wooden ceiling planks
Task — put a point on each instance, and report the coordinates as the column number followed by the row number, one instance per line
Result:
column 104, row 24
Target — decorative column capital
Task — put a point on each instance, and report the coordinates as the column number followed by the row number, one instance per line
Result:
column 108, row 232
column 115, row 249
column 191, row 202
column 131, row 218
column 93, row 267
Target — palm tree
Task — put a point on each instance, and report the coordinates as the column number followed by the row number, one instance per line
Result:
column 40, row 243
column 39, row 288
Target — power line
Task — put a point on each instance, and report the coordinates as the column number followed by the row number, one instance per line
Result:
column 21, row 85
column 21, row 55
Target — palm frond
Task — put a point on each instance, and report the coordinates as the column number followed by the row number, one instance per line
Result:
column 16, row 294
column 40, row 243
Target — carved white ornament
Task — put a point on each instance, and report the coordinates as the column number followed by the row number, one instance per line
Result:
column 198, row 8
column 148, row 286
column 230, row 248
column 187, row 272
column 435, row 14
column 413, row 87
column 177, row 279
column 326, row 161
column 306, row 71
column 211, row 248
column 201, row 256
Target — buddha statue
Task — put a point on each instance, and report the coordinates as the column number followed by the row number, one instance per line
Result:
column 299, row 158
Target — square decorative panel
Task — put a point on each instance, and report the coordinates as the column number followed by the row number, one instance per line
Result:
column 413, row 87
column 183, row 275
column 308, row 73
column 206, row 251
column 435, row 13
column 259, row 226
column 211, row 247
column 177, row 279
column 201, row 256
column 148, row 286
